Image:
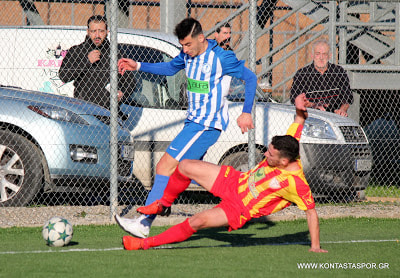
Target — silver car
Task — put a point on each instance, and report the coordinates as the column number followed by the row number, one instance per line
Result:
column 53, row 143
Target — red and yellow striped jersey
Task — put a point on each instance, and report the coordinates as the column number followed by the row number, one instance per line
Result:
column 265, row 189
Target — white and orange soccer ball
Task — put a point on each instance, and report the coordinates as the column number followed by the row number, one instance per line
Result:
column 57, row 232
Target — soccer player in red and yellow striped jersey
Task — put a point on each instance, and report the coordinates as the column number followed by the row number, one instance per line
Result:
column 267, row 188
column 272, row 185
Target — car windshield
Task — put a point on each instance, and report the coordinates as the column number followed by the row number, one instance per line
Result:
column 236, row 92
column 151, row 90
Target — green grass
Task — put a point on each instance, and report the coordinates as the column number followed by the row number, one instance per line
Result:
column 375, row 190
column 272, row 249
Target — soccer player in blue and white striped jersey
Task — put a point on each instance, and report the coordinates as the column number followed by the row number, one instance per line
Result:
column 209, row 70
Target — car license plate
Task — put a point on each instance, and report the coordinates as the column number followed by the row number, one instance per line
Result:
column 127, row 152
column 363, row 165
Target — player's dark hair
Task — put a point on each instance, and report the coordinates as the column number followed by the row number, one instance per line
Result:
column 226, row 25
column 287, row 146
column 97, row 18
column 188, row 26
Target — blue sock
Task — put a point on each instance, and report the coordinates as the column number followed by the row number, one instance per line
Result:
column 160, row 183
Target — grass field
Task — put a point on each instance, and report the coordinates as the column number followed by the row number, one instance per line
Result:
column 358, row 247
column 375, row 190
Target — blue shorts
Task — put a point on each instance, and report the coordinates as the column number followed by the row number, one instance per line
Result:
column 193, row 141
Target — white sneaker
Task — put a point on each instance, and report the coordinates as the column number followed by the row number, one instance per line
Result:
column 139, row 226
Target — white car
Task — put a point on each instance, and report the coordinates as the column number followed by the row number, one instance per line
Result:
column 335, row 151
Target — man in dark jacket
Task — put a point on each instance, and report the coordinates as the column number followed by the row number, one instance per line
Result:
column 326, row 85
column 88, row 65
column 223, row 36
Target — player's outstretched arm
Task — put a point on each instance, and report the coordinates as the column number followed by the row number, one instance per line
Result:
column 245, row 120
column 125, row 64
column 301, row 109
column 313, row 227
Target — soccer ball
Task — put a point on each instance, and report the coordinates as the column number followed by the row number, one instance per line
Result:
column 57, row 232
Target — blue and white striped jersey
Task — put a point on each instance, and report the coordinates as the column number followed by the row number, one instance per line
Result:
column 209, row 76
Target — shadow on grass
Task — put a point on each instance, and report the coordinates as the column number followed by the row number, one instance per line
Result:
column 241, row 239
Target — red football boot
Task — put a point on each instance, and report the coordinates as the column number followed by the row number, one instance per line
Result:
column 132, row 243
column 155, row 208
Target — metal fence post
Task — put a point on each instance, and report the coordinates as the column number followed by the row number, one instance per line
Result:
column 332, row 30
column 397, row 36
column 114, row 109
column 252, row 66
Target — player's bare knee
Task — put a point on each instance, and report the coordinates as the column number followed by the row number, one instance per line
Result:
column 185, row 166
column 166, row 166
column 198, row 222
column 160, row 167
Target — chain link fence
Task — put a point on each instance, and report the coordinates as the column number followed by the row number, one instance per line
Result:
column 55, row 140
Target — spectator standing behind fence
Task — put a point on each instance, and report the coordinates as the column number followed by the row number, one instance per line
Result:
column 209, row 69
column 275, row 183
column 88, row 65
column 326, row 85
column 223, row 36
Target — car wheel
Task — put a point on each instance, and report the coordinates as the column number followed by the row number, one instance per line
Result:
column 21, row 173
column 239, row 160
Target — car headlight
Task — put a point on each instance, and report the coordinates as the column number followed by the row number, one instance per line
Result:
column 317, row 128
column 58, row 113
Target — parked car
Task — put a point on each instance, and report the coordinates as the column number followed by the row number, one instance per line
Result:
column 55, row 143
column 335, row 151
